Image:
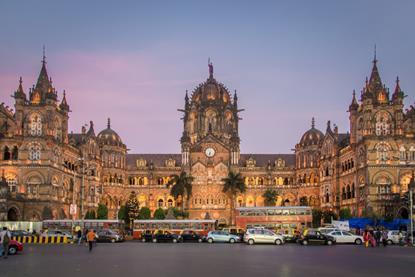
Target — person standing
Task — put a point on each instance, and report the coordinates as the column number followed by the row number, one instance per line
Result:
column 5, row 240
column 79, row 235
column 90, row 237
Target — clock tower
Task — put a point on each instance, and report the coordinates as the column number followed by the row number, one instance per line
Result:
column 210, row 145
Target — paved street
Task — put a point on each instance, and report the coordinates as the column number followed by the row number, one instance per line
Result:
column 138, row 259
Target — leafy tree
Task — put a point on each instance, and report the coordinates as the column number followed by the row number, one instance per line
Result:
column 316, row 214
column 145, row 213
column 133, row 208
column 181, row 186
column 233, row 184
column 304, row 201
column 270, row 196
column 90, row 214
column 345, row 213
column 159, row 214
column 328, row 215
column 122, row 213
column 47, row 213
column 102, row 211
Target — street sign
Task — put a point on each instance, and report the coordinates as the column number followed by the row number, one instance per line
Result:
column 72, row 209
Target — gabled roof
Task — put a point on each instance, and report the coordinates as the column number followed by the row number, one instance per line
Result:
column 262, row 159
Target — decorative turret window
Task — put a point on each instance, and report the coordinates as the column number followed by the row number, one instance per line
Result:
column 402, row 153
column 35, row 125
column 34, row 152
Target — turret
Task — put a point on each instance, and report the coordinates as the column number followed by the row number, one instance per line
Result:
column 398, row 94
column 19, row 94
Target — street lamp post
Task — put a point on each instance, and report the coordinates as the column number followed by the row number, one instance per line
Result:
column 411, row 205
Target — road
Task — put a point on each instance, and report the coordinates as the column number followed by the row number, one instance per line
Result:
column 149, row 259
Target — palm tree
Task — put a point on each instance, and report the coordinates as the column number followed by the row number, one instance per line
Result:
column 270, row 196
column 233, row 184
column 181, row 186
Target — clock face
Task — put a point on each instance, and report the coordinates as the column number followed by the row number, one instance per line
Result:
column 210, row 152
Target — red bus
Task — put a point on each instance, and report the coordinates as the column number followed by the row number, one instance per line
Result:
column 176, row 226
column 284, row 220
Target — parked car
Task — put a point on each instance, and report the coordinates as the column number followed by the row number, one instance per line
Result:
column 394, row 237
column 108, row 235
column 147, row 236
column 165, row 236
column 57, row 233
column 190, row 236
column 311, row 236
column 15, row 247
column 222, row 236
column 20, row 233
column 346, row 237
column 254, row 235
column 235, row 231
column 326, row 230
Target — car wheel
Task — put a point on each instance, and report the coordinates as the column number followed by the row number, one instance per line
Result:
column 358, row 241
column 174, row 240
column 154, row 240
column 112, row 240
column 251, row 242
column 389, row 242
column 210, row 240
column 278, row 242
column 199, row 240
column 13, row 250
column 143, row 240
column 304, row 242
column 329, row 242
column 232, row 241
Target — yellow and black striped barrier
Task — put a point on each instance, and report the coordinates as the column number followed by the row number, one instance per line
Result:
column 42, row 239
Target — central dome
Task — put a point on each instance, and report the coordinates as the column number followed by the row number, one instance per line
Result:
column 211, row 90
column 109, row 136
column 312, row 137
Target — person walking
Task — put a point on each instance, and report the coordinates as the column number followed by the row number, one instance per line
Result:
column 366, row 237
column 90, row 237
column 79, row 235
column 5, row 240
column 385, row 237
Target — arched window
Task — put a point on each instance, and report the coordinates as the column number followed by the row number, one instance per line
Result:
column 344, row 193
column 382, row 152
column 34, row 152
column 412, row 153
column 35, row 125
column 6, row 153
column 12, row 182
column 382, row 124
column 160, row 181
column 170, row 203
column 348, row 191
column 15, row 153
column 327, row 197
column 160, row 203
column 353, row 191
column 402, row 153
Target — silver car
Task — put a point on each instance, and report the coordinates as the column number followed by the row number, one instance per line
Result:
column 221, row 236
column 255, row 235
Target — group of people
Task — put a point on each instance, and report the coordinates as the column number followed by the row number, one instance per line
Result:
column 375, row 237
column 90, row 237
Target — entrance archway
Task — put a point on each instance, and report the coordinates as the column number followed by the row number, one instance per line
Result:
column 12, row 215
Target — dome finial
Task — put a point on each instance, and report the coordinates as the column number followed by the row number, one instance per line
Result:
column 210, row 65
column 312, row 122
column 374, row 57
column 44, row 54
column 109, row 123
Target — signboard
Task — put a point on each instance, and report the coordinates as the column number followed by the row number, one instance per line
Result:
column 341, row 225
column 72, row 209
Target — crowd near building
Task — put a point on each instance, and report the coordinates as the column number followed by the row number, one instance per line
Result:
column 49, row 169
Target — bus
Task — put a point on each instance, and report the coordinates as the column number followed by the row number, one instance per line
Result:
column 73, row 225
column 202, row 227
column 283, row 220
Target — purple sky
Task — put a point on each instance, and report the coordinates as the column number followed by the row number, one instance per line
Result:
column 133, row 61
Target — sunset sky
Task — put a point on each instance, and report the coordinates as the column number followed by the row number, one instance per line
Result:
column 132, row 61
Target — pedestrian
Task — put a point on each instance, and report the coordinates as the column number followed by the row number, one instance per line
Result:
column 4, row 241
column 378, row 236
column 79, row 235
column 90, row 237
column 366, row 237
column 385, row 237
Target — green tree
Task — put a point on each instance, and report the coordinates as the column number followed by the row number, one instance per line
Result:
column 90, row 214
column 133, row 209
column 233, row 184
column 270, row 196
column 47, row 213
column 316, row 215
column 102, row 211
column 345, row 213
column 328, row 215
column 181, row 186
column 159, row 214
column 122, row 212
column 145, row 213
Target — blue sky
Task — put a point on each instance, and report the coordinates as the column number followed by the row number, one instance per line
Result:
column 133, row 60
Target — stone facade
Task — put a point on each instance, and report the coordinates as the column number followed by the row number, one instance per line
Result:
column 48, row 169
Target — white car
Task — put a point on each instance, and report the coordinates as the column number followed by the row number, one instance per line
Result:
column 257, row 235
column 326, row 230
column 346, row 237
column 394, row 237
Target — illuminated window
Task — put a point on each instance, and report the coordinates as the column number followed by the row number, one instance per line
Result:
column 382, row 152
column 35, row 125
column 34, row 152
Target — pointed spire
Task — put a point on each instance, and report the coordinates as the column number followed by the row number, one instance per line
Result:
column 375, row 83
column 312, row 123
column 328, row 126
column 44, row 55
column 210, row 65
column 43, row 84
column 354, row 105
column 91, row 131
column 398, row 94
column 109, row 123
column 64, row 105
column 19, row 92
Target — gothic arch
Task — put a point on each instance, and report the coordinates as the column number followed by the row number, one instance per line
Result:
column 13, row 214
